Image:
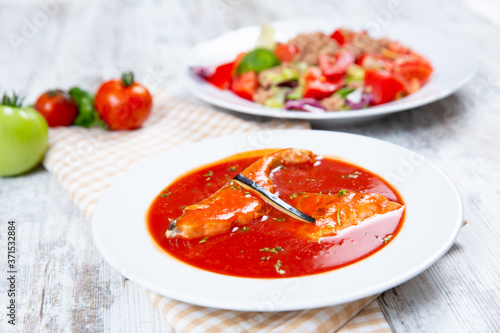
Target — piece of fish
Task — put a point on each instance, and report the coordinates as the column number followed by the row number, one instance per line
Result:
column 231, row 205
column 335, row 212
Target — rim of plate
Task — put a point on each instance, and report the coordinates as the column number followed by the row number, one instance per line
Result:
column 458, row 49
column 120, row 234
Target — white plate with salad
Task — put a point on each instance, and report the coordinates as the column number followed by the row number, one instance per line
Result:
column 328, row 71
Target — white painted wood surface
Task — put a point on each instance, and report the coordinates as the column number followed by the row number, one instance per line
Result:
column 63, row 283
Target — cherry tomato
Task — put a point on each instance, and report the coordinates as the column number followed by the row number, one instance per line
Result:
column 221, row 78
column 237, row 62
column 334, row 67
column 413, row 71
column 123, row 104
column 375, row 61
column 384, row 86
column 317, row 86
column 285, row 52
column 245, row 85
column 339, row 36
column 57, row 107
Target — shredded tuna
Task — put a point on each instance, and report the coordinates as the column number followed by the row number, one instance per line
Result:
column 310, row 46
column 333, row 103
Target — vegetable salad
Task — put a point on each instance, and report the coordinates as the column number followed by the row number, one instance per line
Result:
column 317, row 72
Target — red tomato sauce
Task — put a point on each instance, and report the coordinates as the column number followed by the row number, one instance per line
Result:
column 268, row 249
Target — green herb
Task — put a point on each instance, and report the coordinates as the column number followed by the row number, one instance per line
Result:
column 233, row 187
column 247, row 193
column 204, row 240
column 87, row 114
column 338, row 216
column 265, row 258
column 232, row 169
column 273, row 250
column 166, row 194
column 209, row 184
column 239, row 188
column 341, row 193
column 209, row 174
column 208, row 178
column 245, row 228
column 294, row 195
column 343, row 92
column 281, row 219
column 278, row 266
column 183, row 207
column 329, row 226
column 257, row 60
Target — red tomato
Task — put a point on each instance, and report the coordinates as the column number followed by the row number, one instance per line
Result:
column 237, row 62
column 373, row 61
column 245, row 85
column 339, row 36
column 413, row 72
column 123, row 104
column 334, row 67
column 384, row 86
column 57, row 107
column 285, row 52
column 221, row 78
column 316, row 86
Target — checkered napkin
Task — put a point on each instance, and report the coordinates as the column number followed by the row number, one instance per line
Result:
column 87, row 161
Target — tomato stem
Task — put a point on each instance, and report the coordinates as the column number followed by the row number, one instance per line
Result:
column 54, row 92
column 127, row 79
column 15, row 100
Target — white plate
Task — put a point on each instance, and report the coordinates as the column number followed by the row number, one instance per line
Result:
column 433, row 219
column 452, row 58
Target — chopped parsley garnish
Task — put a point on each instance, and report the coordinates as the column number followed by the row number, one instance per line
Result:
column 273, row 250
column 338, row 216
column 209, row 184
column 278, row 266
column 281, row 219
column 166, row 193
column 265, row 258
column 204, row 240
column 247, row 193
column 245, row 228
column 232, row 169
column 330, row 226
column 183, row 207
column 341, row 193
column 239, row 187
column 209, row 174
column 208, row 178
column 294, row 195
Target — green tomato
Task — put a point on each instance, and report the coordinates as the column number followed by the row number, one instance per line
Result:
column 23, row 139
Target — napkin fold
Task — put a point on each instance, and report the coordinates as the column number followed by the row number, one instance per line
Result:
column 87, row 161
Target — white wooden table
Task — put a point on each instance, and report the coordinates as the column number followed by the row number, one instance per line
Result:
column 64, row 284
